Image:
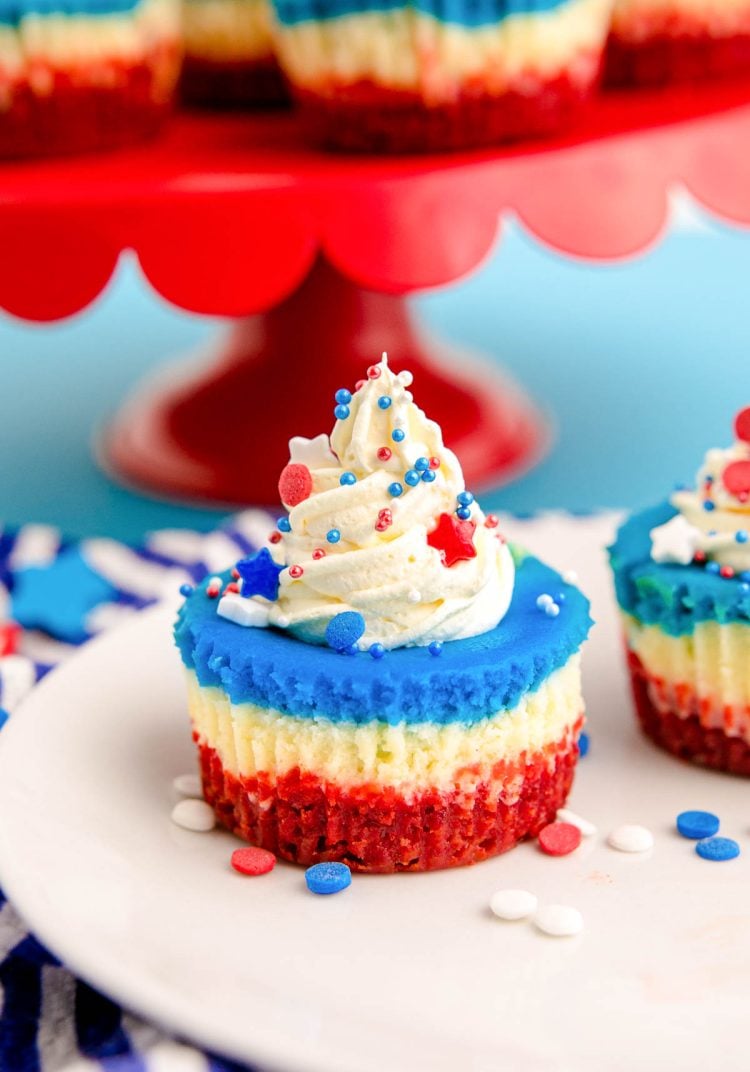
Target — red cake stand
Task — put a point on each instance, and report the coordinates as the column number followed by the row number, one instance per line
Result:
column 312, row 255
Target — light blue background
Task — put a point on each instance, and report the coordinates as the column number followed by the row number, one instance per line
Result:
column 640, row 365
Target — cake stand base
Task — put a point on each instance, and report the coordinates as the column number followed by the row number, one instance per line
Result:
column 217, row 432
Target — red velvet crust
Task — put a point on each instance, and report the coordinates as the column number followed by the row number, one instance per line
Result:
column 302, row 819
column 662, row 60
column 233, row 84
column 368, row 118
column 76, row 116
column 682, row 733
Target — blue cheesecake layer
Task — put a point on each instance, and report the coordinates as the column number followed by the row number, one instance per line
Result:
column 468, row 13
column 673, row 597
column 12, row 12
column 469, row 681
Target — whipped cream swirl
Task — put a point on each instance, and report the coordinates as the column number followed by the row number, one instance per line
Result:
column 714, row 519
column 376, row 532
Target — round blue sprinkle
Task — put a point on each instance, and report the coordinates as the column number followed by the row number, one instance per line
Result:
column 709, row 480
column 709, row 505
column 435, row 647
column 712, row 567
column 412, row 477
column 428, row 476
column 328, row 878
column 464, row 513
column 377, row 651
column 583, row 745
column 186, row 590
column 344, row 630
column 284, row 524
column 347, row 478
column 341, row 413
column 717, row 848
column 745, row 576
column 741, row 536
column 343, row 397
column 395, row 489
column 697, row 824
column 421, row 464
column 464, row 498
column 333, row 535
column 384, row 401
column 4, row 716
column 351, row 650
column 398, row 435
column 680, row 487
column 744, row 588
column 560, row 597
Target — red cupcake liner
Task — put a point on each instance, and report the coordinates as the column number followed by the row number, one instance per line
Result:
column 79, row 116
column 663, row 59
column 680, row 730
column 374, row 829
column 235, row 84
column 365, row 117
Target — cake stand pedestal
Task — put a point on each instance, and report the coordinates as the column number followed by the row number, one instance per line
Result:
column 312, row 254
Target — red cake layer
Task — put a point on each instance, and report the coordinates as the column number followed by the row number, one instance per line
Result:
column 302, row 819
column 233, row 84
column 78, row 116
column 680, row 730
column 365, row 117
column 685, row 58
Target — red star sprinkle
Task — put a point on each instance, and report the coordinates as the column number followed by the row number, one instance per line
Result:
column 742, row 425
column 454, row 539
column 736, row 479
column 295, row 484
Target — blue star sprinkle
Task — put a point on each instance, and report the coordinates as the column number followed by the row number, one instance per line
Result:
column 260, row 575
column 59, row 597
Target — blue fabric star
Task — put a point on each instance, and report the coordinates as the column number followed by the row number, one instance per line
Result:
column 59, row 597
column 260, row 575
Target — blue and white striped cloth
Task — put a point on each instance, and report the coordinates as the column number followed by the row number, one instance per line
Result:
column 49, row 1020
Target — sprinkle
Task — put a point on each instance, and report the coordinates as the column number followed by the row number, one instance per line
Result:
column 559, row 839
column 491, row 521
column 295, row 484
column 194, row 815
column 260, row 575
column 384, row 453
column 395, row 489
column 745, row 576
column 385, row 520
column 249, row 613
column 232, row 588
column 344, row 630
column 428, row 476
column 513, row 904
column 235, row 573
column 742, row 425
column 412, row 477
column 398, row 435
column 736, row 479
column 713, row 567
column 385, row 401
column 464, row 498
column 697, row 824
column 559, row 921
column 188, row 785
column 295, row 572
column 565, row 815
column 347, row 478
column 343, row 397
column 376, row 650
column 700, row 557
column 741, row 536
column 281, row 620
column 359, row 385
column 186, row 590
column 463, row 512
column 434, row 462
column 631, row 838
column 284, row 524
column 405, row 378
column 551, row 610
column 341, row 413
column 422, row 464
column 717, row 848
column 709, row 505
column 275, row 537
column 544, row 600
column 373, row 372
column 252, row 860
column 333, row 535
column 328, row 877
column 583, row 745
column 570, row 576
column 727, row 571
column 454, row 538
column 213, row 588
column 435, row 647
column 318, row 553
column 413, row 596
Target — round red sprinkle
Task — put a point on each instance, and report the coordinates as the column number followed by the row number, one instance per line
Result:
column 295, row 484
column 275, row 537
column 9, row 636
column 742, row 425
column 491, row 521
column 318, row 553
column 384, row 453
column 726, row 571
column 559, row 839
column 295, row 572
column 253, row 861
column 212, row 593
column 736, row 479
column 236, row 574
column 359, row 384
column 231, row 588
column 373, row 372
column 434, row 463
column 699, row 556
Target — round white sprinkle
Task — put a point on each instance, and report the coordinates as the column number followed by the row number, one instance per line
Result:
column 413, row 596
column 281, row 620
column 631, row 838
column 544, row 600
column 405, row 378
column 399, row 421
column 194, row 815
column 513, row 904
column 188, row 785
column 408, row 396
column 551, row 610
column 565, row 815
column 560, row 921
column 570, row 576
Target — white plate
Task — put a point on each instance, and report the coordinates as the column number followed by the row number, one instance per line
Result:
column 398, row 973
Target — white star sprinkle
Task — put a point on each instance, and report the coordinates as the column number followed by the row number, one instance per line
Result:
column 677, row 541
column 314, row 453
